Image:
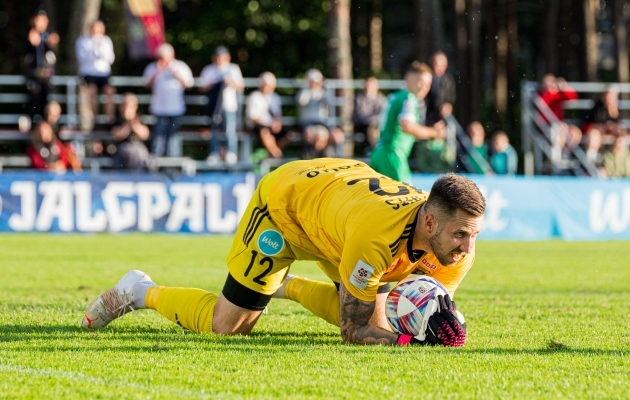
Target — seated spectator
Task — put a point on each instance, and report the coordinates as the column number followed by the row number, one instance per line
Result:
column 605, row 116
column 367, row 108
column 504, row 159
column 52, row 115
column 555, row 91
column 130, row 135
column 593, row 148
column 617, row 161
column 264, row 114
column 476, row 160
column 95, row 55
column 313, row 118
column 47, row 152
column 168, row 78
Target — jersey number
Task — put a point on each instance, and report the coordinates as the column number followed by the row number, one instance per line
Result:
column 263, row 261
column 375, row 187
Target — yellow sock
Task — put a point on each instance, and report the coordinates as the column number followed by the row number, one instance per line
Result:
column 322, row 299
column 191, row 308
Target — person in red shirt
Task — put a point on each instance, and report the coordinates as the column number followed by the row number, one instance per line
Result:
column 554, row 91
column 46, row 151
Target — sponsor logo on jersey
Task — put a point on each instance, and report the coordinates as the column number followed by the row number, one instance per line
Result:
column 270, row 242
column 428, row 265
column 361, row 275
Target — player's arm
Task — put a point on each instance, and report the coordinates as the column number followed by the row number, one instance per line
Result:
column 355, row 317
column 420, row 131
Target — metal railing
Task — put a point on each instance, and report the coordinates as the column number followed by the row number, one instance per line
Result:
column 542, row 131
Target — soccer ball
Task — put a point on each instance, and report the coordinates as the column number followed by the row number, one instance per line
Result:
column 410, row 304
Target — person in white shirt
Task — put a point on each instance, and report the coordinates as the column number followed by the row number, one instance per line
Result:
column 95, row 56
column 264, row 115
column 313, row 118
column 221, row 80
column 168, row 78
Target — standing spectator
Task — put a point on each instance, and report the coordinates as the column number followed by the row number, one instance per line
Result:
column 95, row 56
column 555, row 91
column 47, row 152
column 221, row 80
column 313, row 118
column 168, row 78
column 476, row 159
column 617, row 160
column 605, row 116
column 441, row 98
column 367, row 109
column 40, row 63
column 264, row 114
column 504, row 159
column 403, row 123
column 130, row 135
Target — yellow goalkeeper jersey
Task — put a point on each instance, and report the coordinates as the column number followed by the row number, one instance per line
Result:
column 359, row 223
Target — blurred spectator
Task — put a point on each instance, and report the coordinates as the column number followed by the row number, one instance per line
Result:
column 504, row 159
column 95, row 55
column 554, row 91
column 221, row 80
column 168, row 78
column 313, row 118
column 367, row 109
column 617, row 160
column 593, row 148
column 476, row 161
column 130, row 135
column 40, row 63
column 47, row 152
column 441, row 98
column 52, row 115
column 264, row 114
column 604, row 116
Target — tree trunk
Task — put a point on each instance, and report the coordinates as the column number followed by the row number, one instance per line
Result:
column 551, row 48
column 83, row 14
column 590, row 9
column 376, row 37
column 340, row 54
column 621, row 39
column 462, row 76
column 474, row 57
column 429, row 23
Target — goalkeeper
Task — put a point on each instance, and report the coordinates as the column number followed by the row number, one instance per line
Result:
column 402, row 122
column 363, row 230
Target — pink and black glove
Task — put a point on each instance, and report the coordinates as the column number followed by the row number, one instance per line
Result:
column 446, row 325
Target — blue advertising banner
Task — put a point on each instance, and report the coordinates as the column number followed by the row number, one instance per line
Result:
column 518, row 208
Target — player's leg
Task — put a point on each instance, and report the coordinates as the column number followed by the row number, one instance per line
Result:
column 110, row 104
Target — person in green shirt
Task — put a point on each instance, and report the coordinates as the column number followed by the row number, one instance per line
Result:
column 402, row 122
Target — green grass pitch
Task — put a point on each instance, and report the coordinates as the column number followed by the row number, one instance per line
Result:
column 546, row 319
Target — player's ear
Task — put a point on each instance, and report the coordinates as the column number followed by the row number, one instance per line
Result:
column 430, row 223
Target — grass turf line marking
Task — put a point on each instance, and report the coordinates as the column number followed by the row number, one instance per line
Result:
column 75, row 376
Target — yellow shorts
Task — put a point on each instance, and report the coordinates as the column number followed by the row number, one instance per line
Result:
column 260, row 257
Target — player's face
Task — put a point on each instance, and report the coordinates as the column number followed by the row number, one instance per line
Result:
column 455, row 238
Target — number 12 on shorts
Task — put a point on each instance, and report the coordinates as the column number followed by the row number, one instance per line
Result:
column 263, row 261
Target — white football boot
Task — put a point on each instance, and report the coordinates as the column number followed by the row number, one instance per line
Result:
column 126, row 296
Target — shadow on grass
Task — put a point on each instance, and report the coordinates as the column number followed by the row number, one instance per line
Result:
column 266, row 342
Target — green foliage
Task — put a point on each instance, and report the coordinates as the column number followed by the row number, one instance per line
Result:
column 546, row 319
column 284, row 36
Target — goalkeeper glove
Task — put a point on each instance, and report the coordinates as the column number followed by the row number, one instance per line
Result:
column 446, row 325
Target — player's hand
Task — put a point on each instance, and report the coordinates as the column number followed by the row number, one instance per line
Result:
column 445, row 325
column 426, row 337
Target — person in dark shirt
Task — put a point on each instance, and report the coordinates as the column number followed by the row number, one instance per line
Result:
column 441, row 98
column 605, row 116
column 40, row 64
column 47, row 152
column 130, row 134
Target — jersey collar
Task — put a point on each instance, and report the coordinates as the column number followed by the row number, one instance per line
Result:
column 414, row 255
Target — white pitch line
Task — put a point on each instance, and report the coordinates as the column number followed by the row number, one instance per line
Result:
column 75, row 376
